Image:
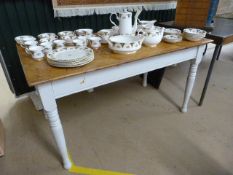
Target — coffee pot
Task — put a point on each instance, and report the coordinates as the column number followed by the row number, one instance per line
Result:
column 125, row 22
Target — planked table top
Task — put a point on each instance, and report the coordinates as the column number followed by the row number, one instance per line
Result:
column 38, row 72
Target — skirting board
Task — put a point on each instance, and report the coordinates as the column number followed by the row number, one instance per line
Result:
column 2, row 139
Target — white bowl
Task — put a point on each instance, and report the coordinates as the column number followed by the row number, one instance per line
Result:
column 193, row 34
column 172, row 38
column 125, row 44
column 153, row 36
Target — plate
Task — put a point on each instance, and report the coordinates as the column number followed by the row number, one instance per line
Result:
column 172, row 38
column 70, row 56
column 171, row 31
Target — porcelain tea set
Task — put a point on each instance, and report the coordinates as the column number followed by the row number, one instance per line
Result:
column 126, row 38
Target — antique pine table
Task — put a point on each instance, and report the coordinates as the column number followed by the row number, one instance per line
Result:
column 52, row 83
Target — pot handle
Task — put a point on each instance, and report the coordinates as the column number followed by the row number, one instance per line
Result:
column 112, row 20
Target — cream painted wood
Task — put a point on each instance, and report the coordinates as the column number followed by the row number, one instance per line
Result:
column 48, row 100
column 144, row 81
column 85, row 81
column 191, row 78
column 90, row 90
column 36, row 101
column 49, row 92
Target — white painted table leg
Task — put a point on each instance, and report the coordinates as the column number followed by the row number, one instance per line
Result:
column 144, row 84
column 90, row 90
column 189, row 84
column 36, row 101
column 50, row 109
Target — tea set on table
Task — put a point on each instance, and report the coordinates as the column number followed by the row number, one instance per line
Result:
column 71, row 48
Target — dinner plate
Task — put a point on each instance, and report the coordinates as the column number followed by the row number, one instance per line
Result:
column 70, row 56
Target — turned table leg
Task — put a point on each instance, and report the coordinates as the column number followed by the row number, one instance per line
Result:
column 144, row 83
column 189, row 85
column 50, row 110
column 191, row 78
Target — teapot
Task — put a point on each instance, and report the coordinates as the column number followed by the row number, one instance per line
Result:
column 125, row 22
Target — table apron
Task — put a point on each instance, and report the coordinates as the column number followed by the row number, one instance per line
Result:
column 82, row 82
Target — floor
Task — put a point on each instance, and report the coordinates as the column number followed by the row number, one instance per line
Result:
column 125, row 127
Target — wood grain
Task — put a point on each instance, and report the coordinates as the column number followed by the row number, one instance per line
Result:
column 37, row 72
column 192, row 13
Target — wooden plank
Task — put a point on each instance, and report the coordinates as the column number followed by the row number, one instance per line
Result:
column 37, row 72
column 2, row 140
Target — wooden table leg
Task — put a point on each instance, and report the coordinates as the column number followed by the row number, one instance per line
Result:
column 191, row 78
column 189, row 85
column 48, row 100
column 216, row 53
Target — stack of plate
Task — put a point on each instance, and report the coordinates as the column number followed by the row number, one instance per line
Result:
column 70, row 57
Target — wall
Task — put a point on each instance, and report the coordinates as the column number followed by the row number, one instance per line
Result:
column 19, row 17
column 225, row 6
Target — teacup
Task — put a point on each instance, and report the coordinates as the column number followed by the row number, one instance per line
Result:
column 80, row 42
column 47, row 35
column 104, row 34
column 66, row 33
column 48, row 46
column 84, row 32
column 26, row 39
column 19, row 39
column 95, row 42
column 27, row 44
column 43, row 40
column 37, row 52
column 68, row 39
column 59, row 43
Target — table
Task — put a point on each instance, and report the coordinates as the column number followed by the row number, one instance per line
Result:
column 221, row 34
column 52, row 83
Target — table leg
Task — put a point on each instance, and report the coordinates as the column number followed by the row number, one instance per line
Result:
column 144, row 84
column 216, row 53
column 206, row 47
column 219, row 52
column 189, row 85
column 45, row 92
column 36, row 101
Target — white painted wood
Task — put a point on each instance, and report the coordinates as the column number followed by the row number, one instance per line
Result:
column 49, row 92
column 101, row 77
column 90, row 90
column 36, row 101
column 144, row 81
column 46, row 94
column 191, row 78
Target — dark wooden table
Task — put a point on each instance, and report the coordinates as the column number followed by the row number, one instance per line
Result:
column 221, row 34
